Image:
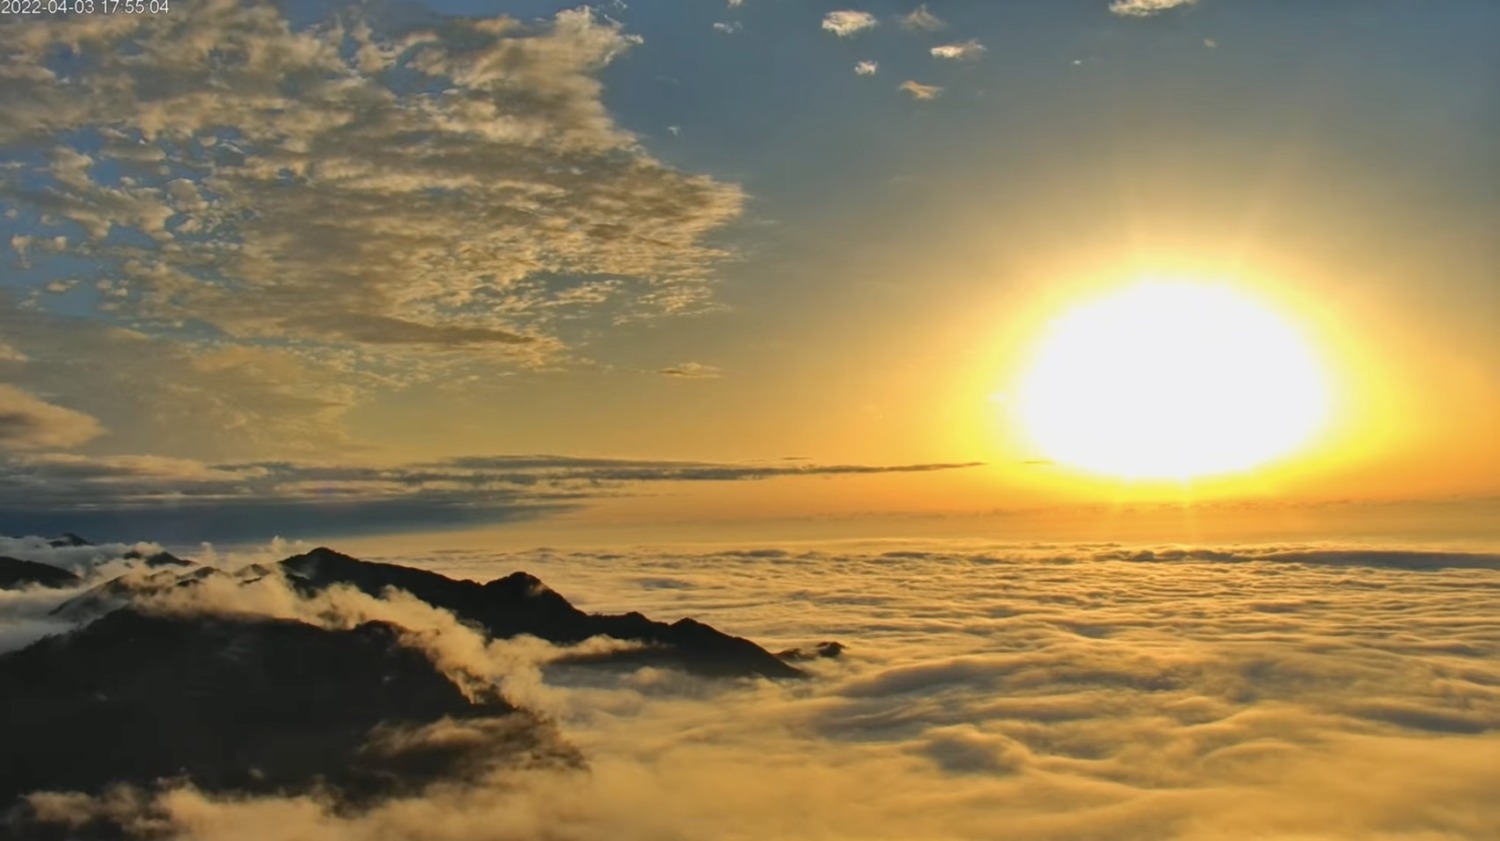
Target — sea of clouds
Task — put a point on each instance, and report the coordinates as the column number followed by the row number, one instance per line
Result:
column 1067, row 693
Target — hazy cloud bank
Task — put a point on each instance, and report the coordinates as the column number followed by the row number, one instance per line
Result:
column 183, row 500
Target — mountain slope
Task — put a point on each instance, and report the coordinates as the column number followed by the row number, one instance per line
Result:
column 244, row 704
column 15, row 573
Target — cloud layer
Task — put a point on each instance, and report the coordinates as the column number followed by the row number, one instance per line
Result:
column 1039, row 693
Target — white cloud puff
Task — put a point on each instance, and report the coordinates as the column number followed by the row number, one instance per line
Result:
column 970, row 49
column 1146, row 8
column 921, row 19
column 846, row 23
column 920, row 91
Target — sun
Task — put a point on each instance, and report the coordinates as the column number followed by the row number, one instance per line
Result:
column 1171, row 379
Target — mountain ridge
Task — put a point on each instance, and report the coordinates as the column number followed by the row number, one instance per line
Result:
column 247, row 704
column 519, row 603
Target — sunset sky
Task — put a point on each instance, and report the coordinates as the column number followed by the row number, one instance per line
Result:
column 682, row 270
column 824, row 420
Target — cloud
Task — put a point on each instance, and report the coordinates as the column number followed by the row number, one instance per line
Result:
column 25, row 615
column 967, row 50
column 847, row 23
column 30, row 423
column 1406, row 559
column 921, row 91
column 1057, row 691
column 215, row 400
column 965, row 749
column 922, row 19
column 866, row 68
column 392, row 185
column 188, row 500
column 82, row 559
column 691, row 371
column 1146, row 8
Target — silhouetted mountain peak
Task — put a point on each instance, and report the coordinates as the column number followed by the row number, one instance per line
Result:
column 518, row 580
column 67, row 538
column 509, row 606
column 827, row 650
column 15, row 573
column 158, row 559
column 519, row 603
column 121, row 590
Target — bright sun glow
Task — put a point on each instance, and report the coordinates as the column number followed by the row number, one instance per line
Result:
column 1171, row 380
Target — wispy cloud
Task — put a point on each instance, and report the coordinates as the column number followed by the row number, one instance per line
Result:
column 921, row 91
column 29, row 423
column 970, row 49
column 1146, row 8
column 691, row 371
column 56, row 491
column 921, row 19
column 847, row 23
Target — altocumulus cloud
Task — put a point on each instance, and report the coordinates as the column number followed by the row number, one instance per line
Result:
column 1039, row 693
column 317, row 221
